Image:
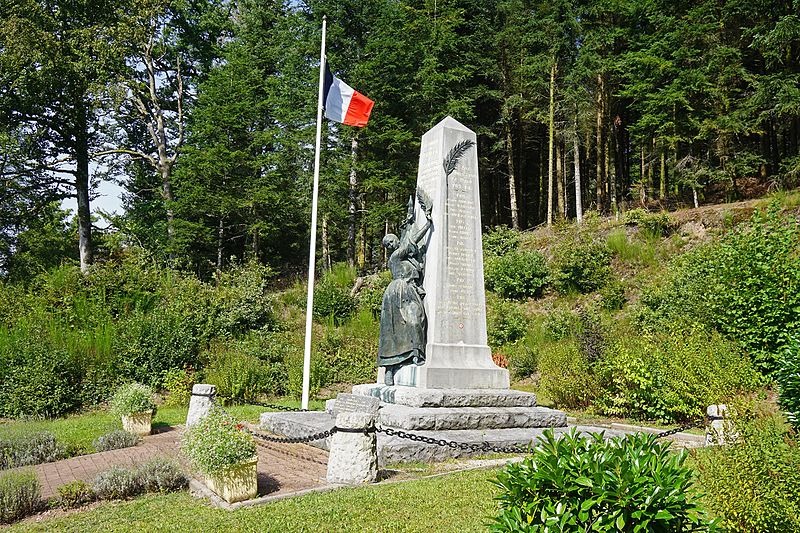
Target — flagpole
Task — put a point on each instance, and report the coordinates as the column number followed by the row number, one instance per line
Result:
column 313, row 245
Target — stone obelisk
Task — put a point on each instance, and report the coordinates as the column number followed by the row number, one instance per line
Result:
column 457, row 354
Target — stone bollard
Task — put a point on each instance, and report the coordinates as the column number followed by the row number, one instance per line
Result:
column 720, row 430
column 200, row 404
column 353, row 457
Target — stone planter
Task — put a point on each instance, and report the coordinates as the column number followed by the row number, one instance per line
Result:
column 237, row 483
column 138, row 423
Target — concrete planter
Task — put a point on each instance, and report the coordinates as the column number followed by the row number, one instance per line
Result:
column 237, row 483
column 138, row 423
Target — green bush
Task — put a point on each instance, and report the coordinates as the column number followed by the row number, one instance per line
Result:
column 581, row 266
column 612, row 295
column 349, row 358
column 30, row 449
column 75, row 494
column 500, row 240
column 671, row 376
column 132, row 398
column 747, row 286
column 150, row 344
column 754, row 484
column 115, row 440
column 787, row 376
column 178, row 382
column 243, row 302
column 240, row 374
column 566, row 374
column 579, row 483
column 517, row 274
column 505, row 322
column 560, row 324
column 117, row 484
column 216, row 443
column 162, row 475
column 39, row 379
column 655, row 224
column 20, row 495
column 333, row 301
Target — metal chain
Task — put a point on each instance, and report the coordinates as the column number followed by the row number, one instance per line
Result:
column 473, row 447
column 690, row 425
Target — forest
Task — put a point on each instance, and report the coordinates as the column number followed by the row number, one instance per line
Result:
column 204, row 111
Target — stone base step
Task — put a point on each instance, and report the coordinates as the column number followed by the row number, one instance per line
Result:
column 414, row 397
column 459, row 418
column 397, row 450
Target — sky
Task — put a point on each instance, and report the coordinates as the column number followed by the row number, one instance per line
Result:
column 108, row 200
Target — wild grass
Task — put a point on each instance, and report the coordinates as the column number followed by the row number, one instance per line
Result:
column 638, row 251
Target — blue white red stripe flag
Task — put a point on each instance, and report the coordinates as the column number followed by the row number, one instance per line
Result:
column 343, row 103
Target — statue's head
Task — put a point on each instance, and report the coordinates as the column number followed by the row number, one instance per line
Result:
column 391, row 241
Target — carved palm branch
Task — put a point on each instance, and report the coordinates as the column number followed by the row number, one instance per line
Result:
column 455, row 154
column 424, row 201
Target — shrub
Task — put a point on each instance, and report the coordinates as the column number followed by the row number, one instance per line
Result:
column 240, row 375
column 20, row 495
column 671, row 376
column 567, row 377
column 746, row 286
column 178, row 383
column 41, row 380
column 500, row 240
column 577, row 483
column 787, row 376
column 754, row 484
column 117, row 484
column 149, row 344
column 242, row 300
column 560, row 324
column 349, row 358
column 115, row 440
column 517, row 274
column 612, row 295
column 581, row 266
column 506, row 323
column 656, row 224
column 31, row 449
column 132, row 398
column 75, row 494
column 332, row 301
column 216, row 443
column 162, row 475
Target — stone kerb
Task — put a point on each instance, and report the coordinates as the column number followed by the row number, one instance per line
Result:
column 353, row 458
column 201, row 402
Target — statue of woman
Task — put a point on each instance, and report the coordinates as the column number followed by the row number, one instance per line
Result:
column 403, row 325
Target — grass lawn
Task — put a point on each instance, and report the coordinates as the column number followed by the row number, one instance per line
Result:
column 78, row 431
column 459, row 502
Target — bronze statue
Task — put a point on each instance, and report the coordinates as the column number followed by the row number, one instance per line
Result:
column 403, row 324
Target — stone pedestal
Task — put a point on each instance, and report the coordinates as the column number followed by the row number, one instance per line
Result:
column 353, row 455
column 457, row 354
column 201, row 402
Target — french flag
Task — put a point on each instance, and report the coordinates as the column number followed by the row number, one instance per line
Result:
column 343, row 103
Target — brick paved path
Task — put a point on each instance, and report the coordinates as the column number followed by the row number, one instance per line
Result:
column 282, row 468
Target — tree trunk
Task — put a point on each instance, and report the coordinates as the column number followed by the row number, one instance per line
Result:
column 220, row 241
column 326, row 253
column 576, row 160
column 662, row 192
column 600, row 145
column 353, row 205
column 82, row 189
column 612, row 177
column 512, row 184
column 562, row 200
column 550, row 145
column 642, row 180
